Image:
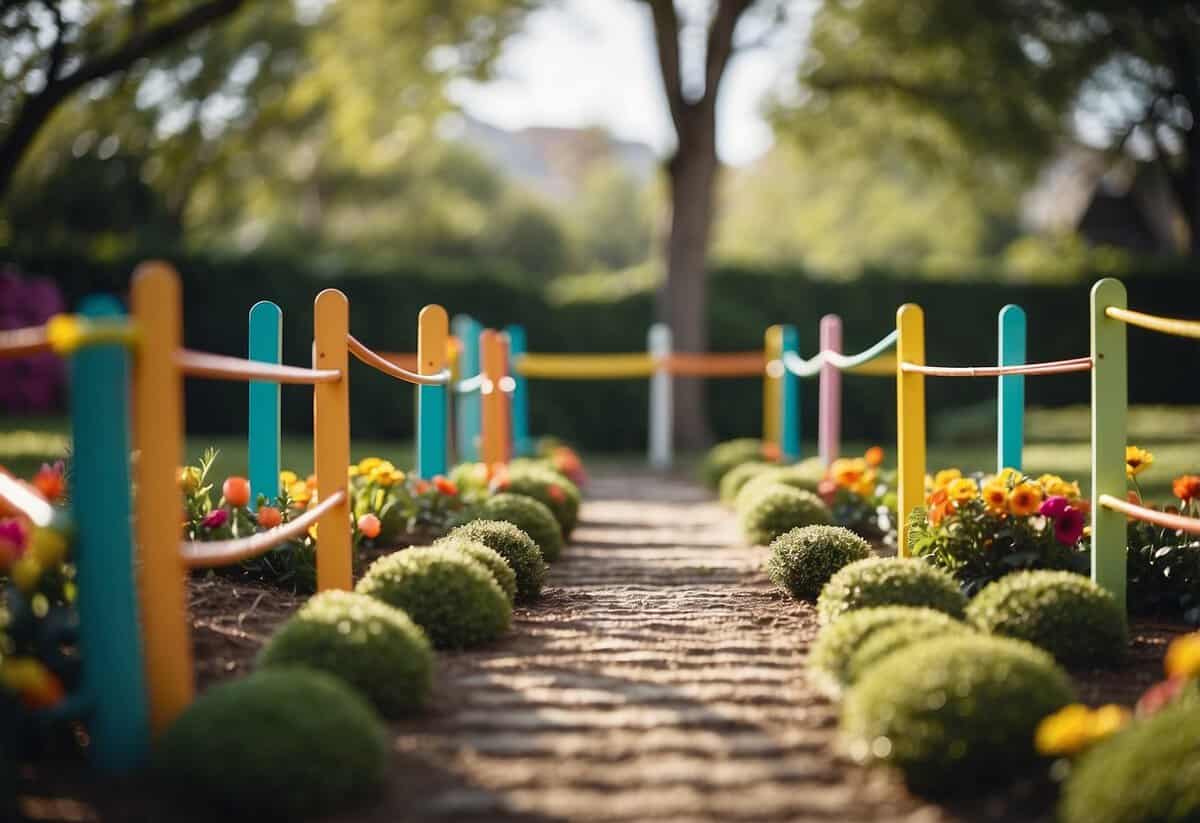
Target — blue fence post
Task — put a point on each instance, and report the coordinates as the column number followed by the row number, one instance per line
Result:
column 1010, row 412
column 265, row 346
column 521, row 442
column 109, row 632
column 468, row 412
column 789, row 398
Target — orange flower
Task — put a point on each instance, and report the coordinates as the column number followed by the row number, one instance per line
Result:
column 866, row 486
column 939, row 512
column 311, row 481
column 445, row 485
column 556, row 493
column 938, row 497
column 420, row 487
column 49, row 481
column 369, row 526
column 269, row 517
column 846, row 473
column 236, row 491
column 1025, row 499
column 1187, row 487
column 771, row 453
column 874, row 456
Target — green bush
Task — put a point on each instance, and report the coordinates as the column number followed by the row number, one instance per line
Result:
column 723, row 457
column 549, row 488
column 279, row 744
column 802, row 560
column 831, row 655
column 737, row 477
column 889, row 581
column 805, row 476
column 890, row 639
column 487, row 557
column 1148, row 773
column 954, row 713
column 531, row 517
column 515, row 546
column 780, row 509
column 375, row 648
column 1065, row 613
column 451, row 596
column 471, row 478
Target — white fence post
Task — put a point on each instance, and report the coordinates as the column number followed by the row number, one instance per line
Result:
column 658, row 341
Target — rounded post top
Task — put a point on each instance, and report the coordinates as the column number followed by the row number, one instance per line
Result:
column 831, row 321
column 266, row 308
column 1012, row 312
column 101, row 305
column 910, row 312
column 328, row 296
column 1109, row 288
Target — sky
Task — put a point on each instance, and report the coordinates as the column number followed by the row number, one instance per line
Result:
column 584, row 63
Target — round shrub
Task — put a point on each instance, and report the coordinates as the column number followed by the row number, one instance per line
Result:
column 549, row 488
column 280, row 744
column 739, row 476
column 780, row 509
column 725, row 456
column 890, row 639
column 889, row 581
column 1065, row 613
column 954, row 712
column 805, row 476
column 487, row 557
column 515, row 546
column 471, row 478
column 831, row 655
column 531, row 517
column 1149, row 773
column 803, row 560
column 452, row 597
column 373, row 647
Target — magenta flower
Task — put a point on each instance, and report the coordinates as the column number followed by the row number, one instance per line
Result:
column 215, row 519
column 13, row 533
column 1054, row 506
column 1068, row 527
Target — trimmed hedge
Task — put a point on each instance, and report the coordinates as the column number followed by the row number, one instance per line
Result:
column 551, row 489
column 802, row 560
column 737, row 477
column 889, row 581
column 516, row 547
column 487, row 557
column 531, row 517
column 780, row 509
column 891, row 639
column 724, row 457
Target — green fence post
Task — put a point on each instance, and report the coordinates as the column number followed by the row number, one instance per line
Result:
column 1110, row 398
column 1010, row 412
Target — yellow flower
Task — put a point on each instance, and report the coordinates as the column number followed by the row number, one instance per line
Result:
column 1007, row 475
column 367, row 463
column 299, row 492
column 962, row 489
column 352, row 471
column 847, row 472
column 1075, row 727
column 189, row 479
column 865, row 487
column 942, row 479
column 1137, row 460
column 1183, row 656
column 1108, row 719
column 287, row 479
column 1024, row 499
column 995, row 495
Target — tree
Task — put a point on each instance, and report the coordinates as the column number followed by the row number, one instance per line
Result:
column 1010, row 80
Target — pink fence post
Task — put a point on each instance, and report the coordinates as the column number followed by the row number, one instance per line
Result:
column 829, row 425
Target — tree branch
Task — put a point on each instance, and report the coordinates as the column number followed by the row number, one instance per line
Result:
column 720, row 45
column 666, row 38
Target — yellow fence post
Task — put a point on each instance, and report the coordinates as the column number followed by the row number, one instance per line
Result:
column 910, row 417
column 331, row 438
column 494, row 437
column 772, row 383
column 158, row 425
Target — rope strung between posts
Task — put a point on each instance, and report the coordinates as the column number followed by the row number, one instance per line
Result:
column 215, row 553
column 380, row 363
column 1165, row 325
column 800, row 367
column 1054, row 367
column 220, row 367
column 1176, row 522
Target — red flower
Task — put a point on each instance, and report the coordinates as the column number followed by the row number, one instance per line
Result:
column 49, row 481
column 1187, row 487
column 445, row 485
column 556, row 493
column 1068, row 527
column 420, row 487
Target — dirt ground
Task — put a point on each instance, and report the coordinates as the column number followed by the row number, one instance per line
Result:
column 661, row 677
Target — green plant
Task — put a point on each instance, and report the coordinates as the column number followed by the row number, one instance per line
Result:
column 549, row 488
column 451, row 596
column 889, row 581
column 954, row 712
column 1163, row 565
column 803, row 559
column 737, row 477
column 837, row 643
column 1148, row 773
column 487, row 557
column 1064, row 613
column 890, row 639
column 779, row 509
column 530, row 516
column 515, row 546
column 805, row 476
column 279, row 744
column 372, row 646
column 723, row 457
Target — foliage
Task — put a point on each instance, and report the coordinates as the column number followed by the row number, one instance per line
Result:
column 888, row 581
column 404, row 503
column 452, row 597
column 830, row 660
column 1163, row 566
column 546, row 486
column 530, row 516
column 982, row 528
column 1066, row 614
column 33, row 383
column 516, row 547
column 737, row 477
column 955, row 712
column 370, row 645
column 896, row 638
column 487, row 557
column 723, row 457
column 805, row 476
column 861, row 495
column 778, row 509
column 802, row 560
column 286, row 743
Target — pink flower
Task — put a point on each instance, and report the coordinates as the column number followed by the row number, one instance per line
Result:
column 13, row 541
column 1068, row 527
column 1055, row 506
column 215, row 519
column 1160, row 695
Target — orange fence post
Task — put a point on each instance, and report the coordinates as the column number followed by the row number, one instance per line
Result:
column 492, row 353
column 331, row 438
column 158, row 427
column 433, row 330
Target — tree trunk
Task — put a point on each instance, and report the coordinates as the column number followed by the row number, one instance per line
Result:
column 682, row 300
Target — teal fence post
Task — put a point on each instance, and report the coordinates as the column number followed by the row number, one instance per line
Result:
column 109, row 631
column 789, row 398
column 1110, row 399
column 265, row 346
column 1010, row 412
column 522, row 443
column 467, row 406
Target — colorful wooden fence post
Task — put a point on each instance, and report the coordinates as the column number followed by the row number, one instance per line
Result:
column 158, row 420
column 467, row 403
column 910, row 417
column 433, row 328
column 829, row 423
column 772, row 354
column 1110, row 397
column 1010, row 412
column 114, row 680
column 265, row 346
column 789, row 397
column 521, row 441
column 331, row 438
column 494, row 448
column 658, row 343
